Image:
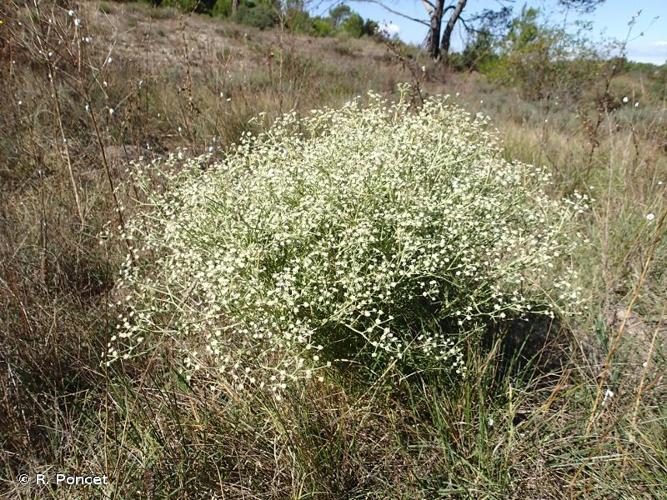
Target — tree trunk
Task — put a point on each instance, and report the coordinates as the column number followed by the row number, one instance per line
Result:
column 433, row 37
column 449, row 28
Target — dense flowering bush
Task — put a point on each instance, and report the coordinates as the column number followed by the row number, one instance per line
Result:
column 377, row 234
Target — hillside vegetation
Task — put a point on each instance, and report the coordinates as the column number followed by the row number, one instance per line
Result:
column 177, row 223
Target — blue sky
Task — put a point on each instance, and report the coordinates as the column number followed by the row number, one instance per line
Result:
column 609, row 21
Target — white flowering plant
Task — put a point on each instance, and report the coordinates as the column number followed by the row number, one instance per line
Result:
column 375, row 233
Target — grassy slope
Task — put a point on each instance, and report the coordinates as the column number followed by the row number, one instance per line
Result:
column 508, row 431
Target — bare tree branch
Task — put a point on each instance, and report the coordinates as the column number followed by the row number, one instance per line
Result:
column 449, row 28
column 389, row 9
column 428, row 6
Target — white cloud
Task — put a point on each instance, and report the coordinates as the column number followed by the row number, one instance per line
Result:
column 389, row 29
column 653, row 52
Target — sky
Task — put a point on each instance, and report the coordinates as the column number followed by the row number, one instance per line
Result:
column 647, row 42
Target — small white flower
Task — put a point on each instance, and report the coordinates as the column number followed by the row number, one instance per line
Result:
column 77, row 22
column 650, row 216
column 490, row 421
column 109, row 60
column 111, row 111
column 608, row 394
column 637, row 104
column 70, row 13
column 626, row 99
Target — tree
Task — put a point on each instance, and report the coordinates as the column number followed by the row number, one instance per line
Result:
column 585, row 6
column 339, row 14
column 524, row 30
column 449, row 27
column 436, row 10
column 371, row 28
column 478, row 51
column 353, row 25
column 438, row 46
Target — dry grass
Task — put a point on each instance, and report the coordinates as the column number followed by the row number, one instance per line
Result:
column 523, row 426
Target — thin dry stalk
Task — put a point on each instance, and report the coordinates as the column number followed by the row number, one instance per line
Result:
column 642, row 381
column 416, row 73
column 41, row 38
column 112, row 187
column 616, row 341
column 65, row 146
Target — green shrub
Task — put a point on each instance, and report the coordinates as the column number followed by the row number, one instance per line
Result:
column 259, row 16
column 298, row 21
column 545, row 62
column 322, row 27
column 373, row 234
column 478, row 54
column 353, row 25
column 371, row 28
column 222, row 8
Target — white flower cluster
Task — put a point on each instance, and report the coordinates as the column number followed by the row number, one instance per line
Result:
column 377, row 234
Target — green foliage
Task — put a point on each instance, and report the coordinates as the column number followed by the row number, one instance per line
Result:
column 353, row 25
column 260, row 16
column 265, row 14
column 339, row 14
column 543, row 61
column 371, row 28
column 222, row 8
column 653, row 78
column 524, row 30
column 478, row 54
column 298, row 21
column 323, row 27
column 347, row 22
